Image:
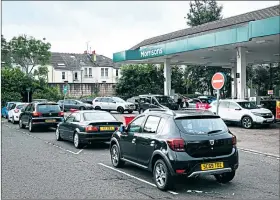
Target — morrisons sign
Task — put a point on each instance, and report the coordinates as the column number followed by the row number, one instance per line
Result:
column 151, row 52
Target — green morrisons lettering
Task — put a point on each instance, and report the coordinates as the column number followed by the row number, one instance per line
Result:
column 149, row 53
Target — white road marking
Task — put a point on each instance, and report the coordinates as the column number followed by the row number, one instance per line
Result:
column 131, row 176
column 259, row 153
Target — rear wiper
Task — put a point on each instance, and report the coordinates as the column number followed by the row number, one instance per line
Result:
column 214, row 131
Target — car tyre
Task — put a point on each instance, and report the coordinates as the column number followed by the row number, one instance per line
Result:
column 13, row 120
column 30, row 126
column 97, row 108
column 140, row 111
column 247, row 122
column 82, row 108
column 225, row 177
column 120, row 110
column 57, row 134
column 116, row 157
column 130, row 111
column 20, row 124
column 77, row 141
column 162, row 176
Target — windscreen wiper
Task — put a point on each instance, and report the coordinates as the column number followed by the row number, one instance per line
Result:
column 214, row 131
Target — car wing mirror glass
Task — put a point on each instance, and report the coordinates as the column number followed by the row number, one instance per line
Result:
column 123, row 129
column 237, row 108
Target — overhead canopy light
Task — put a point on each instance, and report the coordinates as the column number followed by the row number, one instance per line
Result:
column 277, row 54
column 60, row 64
column 204, row 57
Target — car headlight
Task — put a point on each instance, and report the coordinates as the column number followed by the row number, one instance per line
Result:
column 257, row 114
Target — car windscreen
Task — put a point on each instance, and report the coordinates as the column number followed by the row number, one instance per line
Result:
column 164, row 99
column 200, row 125
column 118, row 100
column 48, row 108
column 248, row 105
column 21, row 106
column 10, row 105
column 96, row 116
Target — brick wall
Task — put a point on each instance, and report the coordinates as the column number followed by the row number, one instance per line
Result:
column 86, row 89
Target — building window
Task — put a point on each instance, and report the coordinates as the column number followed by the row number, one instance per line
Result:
column 117, row 72
column 86, row 74
column 102, row 72
column 63, row 75
column 106, row 72
column 90, row 72
column 76, row 76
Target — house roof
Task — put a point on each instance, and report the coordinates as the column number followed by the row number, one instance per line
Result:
column 239, row 19
column 74, row 61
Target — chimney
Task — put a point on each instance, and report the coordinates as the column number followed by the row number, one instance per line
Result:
column 85, row 52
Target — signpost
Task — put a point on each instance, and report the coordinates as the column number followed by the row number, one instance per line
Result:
column 28, row 92
column 218, row 82
column 270, row 92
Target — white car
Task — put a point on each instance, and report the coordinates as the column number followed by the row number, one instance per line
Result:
column 14, row 112
column 112, row 104
column 242, row 111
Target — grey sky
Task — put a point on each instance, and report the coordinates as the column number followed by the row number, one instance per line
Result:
column 109, row 26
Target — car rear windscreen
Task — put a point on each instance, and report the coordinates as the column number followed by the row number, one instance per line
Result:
column 20, row 106
column 95, row 116
column 48, row 108
column 201, row 125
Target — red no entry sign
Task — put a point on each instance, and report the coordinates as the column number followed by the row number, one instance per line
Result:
column 218, row 81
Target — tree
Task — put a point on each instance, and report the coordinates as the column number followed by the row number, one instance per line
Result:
column 28, row 52
column 140, row 79
column 41, row 73
column 5, row 52
column 203, row 11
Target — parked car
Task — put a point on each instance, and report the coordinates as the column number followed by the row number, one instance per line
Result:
column 210, row 98
column 74, row 104
column 36, row 115
column 6, row 108
column 156, row 101
column 39, row 100
column 82, row 127
column 135, row 101
column 113, row 104
column 270, row 105
column 171, row 143
column 192, row 102
column 242, row 111
column 15, row 111
column 87, row 100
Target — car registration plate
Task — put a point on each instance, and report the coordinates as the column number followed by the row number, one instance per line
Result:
column 210, row 166
column 50, row 120
column 109, row 128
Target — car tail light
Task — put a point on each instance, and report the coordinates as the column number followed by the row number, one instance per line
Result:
column 16, row 110
column 176, row 144
column 180, row 171
column 91, row 129
column 117, row 128
column 36, row 114
column 61, row 114
column 234, row 141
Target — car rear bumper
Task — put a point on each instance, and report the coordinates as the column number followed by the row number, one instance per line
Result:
column 192, row 166
column 43, row 121
column 91, row 137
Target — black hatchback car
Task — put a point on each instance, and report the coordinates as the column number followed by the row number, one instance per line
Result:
column 37, row 114
column 83, row 127
column 170, row 143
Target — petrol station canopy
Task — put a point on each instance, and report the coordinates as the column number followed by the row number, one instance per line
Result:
column 235, row 42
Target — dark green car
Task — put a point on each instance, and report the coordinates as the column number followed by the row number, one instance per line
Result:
column 82, row 127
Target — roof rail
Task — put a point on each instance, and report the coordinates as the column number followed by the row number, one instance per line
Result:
column 200, row 109
column 163, row 110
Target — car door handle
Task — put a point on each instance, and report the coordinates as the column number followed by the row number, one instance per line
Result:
column 133, row 141
column 152, row 143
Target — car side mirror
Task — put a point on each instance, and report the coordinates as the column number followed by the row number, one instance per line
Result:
column 113, row 102
column 22, row 110
column 237, row 108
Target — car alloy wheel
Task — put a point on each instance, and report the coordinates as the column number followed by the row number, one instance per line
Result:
column 115, row 156
column 120, row 110
column 77, row 142
column 247, row 122
column 13, row 120
column 160, row 175
column 30, row 126
column 57, row 134
column 21, row 125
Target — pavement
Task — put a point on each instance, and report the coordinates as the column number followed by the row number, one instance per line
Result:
column 36, row 166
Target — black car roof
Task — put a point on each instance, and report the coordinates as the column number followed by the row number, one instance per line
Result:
column 91, row 111
column 182, row 113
